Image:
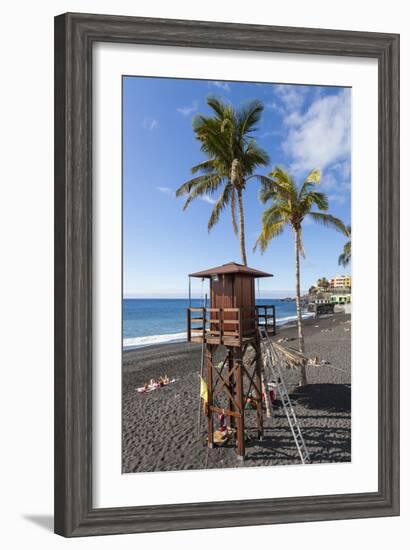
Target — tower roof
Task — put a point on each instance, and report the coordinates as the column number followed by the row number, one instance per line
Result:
column 231, row 268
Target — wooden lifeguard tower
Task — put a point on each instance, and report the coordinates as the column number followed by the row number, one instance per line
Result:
column 232, row 321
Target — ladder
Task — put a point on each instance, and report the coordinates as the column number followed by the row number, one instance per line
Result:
column 272, row 364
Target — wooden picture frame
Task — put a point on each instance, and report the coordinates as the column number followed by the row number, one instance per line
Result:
column 75, row 35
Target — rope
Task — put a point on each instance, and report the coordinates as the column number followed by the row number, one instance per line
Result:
column 204, row 303
column 202, row 289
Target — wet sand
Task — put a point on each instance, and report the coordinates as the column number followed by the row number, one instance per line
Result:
column 160, row 427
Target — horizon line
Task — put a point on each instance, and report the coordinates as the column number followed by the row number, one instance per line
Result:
column 195, row 296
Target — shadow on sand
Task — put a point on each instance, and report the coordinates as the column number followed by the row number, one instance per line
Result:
column 325, row 441
column 324, row 445
column 328, row 397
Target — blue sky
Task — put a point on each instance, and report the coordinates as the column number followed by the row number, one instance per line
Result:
column 302, row 127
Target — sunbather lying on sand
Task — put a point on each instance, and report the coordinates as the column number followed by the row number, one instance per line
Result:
column 155, row 384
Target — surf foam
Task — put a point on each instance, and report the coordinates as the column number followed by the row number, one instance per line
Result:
column 144, row 341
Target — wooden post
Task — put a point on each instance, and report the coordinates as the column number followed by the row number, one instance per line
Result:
column 266, row 320
column 274, row 320
column 221, row 326
column 240, row 421
column 188, row 319
column 258, row 381
column 230, row 378
column 210, row 399
column 240, row 326
column 204, row 324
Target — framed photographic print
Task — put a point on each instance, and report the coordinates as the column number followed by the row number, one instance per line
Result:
column 226, row 274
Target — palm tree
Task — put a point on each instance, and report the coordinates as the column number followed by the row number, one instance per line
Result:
column 323, row 283
column 289, row 206
column 345, row 256
column 232, row 157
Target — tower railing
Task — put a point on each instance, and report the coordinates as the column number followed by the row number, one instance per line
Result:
column 229, row 326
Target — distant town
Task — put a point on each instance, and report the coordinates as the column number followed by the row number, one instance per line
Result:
column 330, row 295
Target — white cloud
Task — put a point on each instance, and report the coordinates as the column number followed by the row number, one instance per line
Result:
column 320, row 137
column 336, row 182
column 317, row 135
column 343, row 168
column 276, row 106
column 328, row 180
column 150, row 123
column 189, row 109
column 222, row 85
column 336, row 178
column 338, row 199
column 166, row 191
column 288, row 98
column 210, row 200
column 270, row 133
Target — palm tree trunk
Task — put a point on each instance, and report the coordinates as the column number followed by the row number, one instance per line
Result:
column 303, row 378
column 242, row 228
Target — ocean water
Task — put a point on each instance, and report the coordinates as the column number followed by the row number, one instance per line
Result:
column 155, row 321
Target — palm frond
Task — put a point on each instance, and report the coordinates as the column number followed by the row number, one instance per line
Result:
column 217, row 105
column 314, row 176
column 196, row 182
column 254, row 156
column 279, row 174
column 345, row 257
column 220, row 204
column 204, row 185
column 310, row 182
column 273, row 224
column 206, row 166
column 267, row 234
column 272, row 189
column 267, row 190
column 289, row 358
column 328, row 220
column 314, row 198
column 285, row 182
column 248, row 116
column 320, row 200
column 214, row 143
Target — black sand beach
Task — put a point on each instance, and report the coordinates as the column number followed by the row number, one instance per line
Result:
column 160, row 428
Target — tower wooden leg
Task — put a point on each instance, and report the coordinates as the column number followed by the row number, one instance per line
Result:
column 210, row 398
column 230, row 377
column 258, row 381
column 240, row 421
